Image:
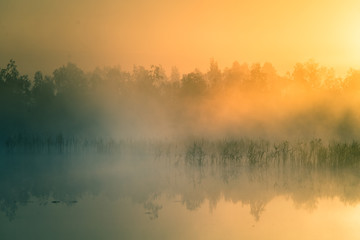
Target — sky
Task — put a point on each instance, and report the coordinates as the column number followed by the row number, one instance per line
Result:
column 46, row 34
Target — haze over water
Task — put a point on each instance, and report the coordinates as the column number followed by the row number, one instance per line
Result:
column 179, row 120
column 194, row 190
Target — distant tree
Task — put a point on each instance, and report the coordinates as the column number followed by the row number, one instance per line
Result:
column 332, row 82
column 115, row 82
column 309, row 75
column 175, row 75
column 276, row 84
column 257, row 79
column 270, row 74
column 352, row 80
column 143, row 81
column 300, row 76
column 193, row 84
column 236, row 75
column 214, row 75
column 73, row 107
column 158, row 75
column 70, row 80
column 160, row 80
column 12, row 83
column 14, row 99
column 43, row 90
column 170, row 88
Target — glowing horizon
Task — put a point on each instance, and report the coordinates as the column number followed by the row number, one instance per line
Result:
column 42, row 35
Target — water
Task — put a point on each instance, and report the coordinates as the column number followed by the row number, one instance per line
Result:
column 201, row 190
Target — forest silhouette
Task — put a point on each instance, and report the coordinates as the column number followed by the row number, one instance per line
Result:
column 241, row 100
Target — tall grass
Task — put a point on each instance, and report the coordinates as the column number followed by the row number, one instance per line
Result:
column 253, row 153
column 253, row 170
column 262, row 153
column 59, row 144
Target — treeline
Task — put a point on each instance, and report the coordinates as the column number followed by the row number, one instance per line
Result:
column 71, row 101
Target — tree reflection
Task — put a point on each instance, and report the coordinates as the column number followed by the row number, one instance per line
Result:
column 252, row 172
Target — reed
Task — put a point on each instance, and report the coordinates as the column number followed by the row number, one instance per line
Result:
column 255, row 153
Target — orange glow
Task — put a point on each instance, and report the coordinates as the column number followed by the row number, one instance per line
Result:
column 187, row 34
column 279, row 220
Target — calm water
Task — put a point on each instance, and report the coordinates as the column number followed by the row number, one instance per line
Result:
column 178, row 192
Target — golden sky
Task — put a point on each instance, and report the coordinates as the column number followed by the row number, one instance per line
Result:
column 45, row 34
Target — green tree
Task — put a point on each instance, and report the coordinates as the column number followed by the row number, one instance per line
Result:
column 12, row 83
column 43, row 90
column 69, row 80
column 14, row 99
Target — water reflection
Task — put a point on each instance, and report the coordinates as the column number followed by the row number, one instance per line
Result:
column 193, row 174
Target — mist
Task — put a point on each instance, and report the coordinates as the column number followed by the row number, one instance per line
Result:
column 243, row 100
column 126, row 153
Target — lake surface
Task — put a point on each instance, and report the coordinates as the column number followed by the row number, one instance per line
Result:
column 194, row 190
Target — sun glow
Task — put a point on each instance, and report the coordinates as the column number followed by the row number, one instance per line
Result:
column 185, row 34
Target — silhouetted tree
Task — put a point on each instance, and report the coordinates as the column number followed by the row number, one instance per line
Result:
column 12, row 83
column 43, row 90
column 237, row 75
column 193, row 84
column 214, row 75
column 69, row 80
column 14, row 99
column 175, row 75
column 143, row 81
column 257, row 80
column 70, row 101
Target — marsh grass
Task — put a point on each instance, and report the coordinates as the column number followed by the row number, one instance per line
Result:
column 60, row 144
column 250, row 170
column 228, row 153
column 314, row 154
